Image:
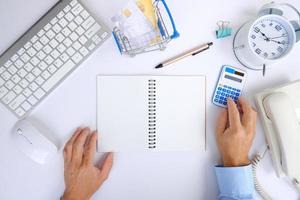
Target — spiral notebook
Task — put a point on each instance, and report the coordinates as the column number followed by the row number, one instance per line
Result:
column 151, row 113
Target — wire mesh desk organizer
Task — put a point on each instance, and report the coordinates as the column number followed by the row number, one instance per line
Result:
column 129, row 46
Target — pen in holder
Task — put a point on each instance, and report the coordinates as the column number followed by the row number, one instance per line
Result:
column 125, row 46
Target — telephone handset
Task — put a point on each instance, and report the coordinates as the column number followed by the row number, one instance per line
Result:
column 280, row 110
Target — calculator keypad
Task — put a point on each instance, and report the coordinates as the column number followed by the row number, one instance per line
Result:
column 223, row 92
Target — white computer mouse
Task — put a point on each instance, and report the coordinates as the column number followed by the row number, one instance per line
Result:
column 31, row 142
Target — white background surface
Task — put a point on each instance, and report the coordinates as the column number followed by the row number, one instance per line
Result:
column 136, row 176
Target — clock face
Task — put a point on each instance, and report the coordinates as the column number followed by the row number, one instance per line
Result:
column 269, row 39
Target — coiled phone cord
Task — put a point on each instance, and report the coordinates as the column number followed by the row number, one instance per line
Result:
column 255, row 164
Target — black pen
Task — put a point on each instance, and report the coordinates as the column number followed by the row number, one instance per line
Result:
column 191, row 52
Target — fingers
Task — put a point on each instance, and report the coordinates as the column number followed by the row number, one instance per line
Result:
column 69, row 145
column 91, row 148
column 249, row 115
column 233, row 114
column 222, row 121
column 108, row 163
column 78, row 146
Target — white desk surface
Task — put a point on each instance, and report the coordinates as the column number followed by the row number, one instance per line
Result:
column 136, row 176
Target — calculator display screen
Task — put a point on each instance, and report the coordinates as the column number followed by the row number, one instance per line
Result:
column 233, row 78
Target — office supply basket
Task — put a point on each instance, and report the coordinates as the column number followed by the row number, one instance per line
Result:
column 124, row 44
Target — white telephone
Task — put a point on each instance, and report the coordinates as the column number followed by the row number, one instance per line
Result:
column 279, row 110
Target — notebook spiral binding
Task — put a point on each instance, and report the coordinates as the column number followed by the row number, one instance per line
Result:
column 151, row 114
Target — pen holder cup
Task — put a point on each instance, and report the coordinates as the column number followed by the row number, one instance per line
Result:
column 125, row 46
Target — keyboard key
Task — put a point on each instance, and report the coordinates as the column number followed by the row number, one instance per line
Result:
column 63, row 22
column 84, row 51
column 61, row 48
column 67, row 8
column 21, row 51
column 47, row 27
column 88, row 23
column 20, row 112
column 91, row 47
column 54, row 21
column 55, row 54
column 42, row 65
column 7, row 64
column 17, row 102
column 53, row 43
column 27, row 45
column 60, row 15
column 57, row 28
column 9, row 97
column 77, row 45
column 31, row 52
column 39, row 93
column 18, row 89
column 69, row 17
column 73, row 3
column 64, row 57
column 74, row 36
column 2, row 69
column 25, row 58
column 26, row 106
column 59, row 37
column 27, row 92
column 83, row 40
column 52, row 69
column 92, row 31
column 28, row 67
column 34, row 39
column 30, row 77
column 77, row 9
column 41, row 33
column 39, row 80
column 22, row 73
column 47, row 49
column 12, row 69
column 78, row 20
column 33, row 86
column 38, row 46
column 14, row 57
column 84, row 14
column 104, row 35
column 6, row 75
column 67, row 67
column 70, row 51
column 16, row 78
column 19, row 64
column 24, row 83
column 72, row 26
column 3, row 91
column 58, row 63
column 36, row 71
column 49, row 60
column 67, row 42
column 1, row 81
column 50, row 34
column 66, row 31
column 32, row 100
column 46, row 75
column 34, row 61
column 77, row 57
column 79, row 30
column 44, row 40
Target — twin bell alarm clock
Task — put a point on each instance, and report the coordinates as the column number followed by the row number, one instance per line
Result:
column 268, row 38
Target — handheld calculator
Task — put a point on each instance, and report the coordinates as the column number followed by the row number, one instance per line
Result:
column 230, row 84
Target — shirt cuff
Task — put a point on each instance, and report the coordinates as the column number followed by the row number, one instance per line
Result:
column 237, row 181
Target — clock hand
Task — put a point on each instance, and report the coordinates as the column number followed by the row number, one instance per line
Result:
column 284, row 35
column 275, row 41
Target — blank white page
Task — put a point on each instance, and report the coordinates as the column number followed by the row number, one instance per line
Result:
column 122, row 113
column 180, row 113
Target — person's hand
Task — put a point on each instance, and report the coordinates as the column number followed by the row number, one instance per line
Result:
column 82, row 178
column 235, row 132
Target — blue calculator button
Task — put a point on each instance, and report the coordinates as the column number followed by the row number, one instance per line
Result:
column 237, row 94
column 232, row 92
column 238, row 90
column 227, row 95
column 230, row 88
column 216, row 100
column 224, row 103
column 217, row 96
column 219, row 88
column 233, row 89
column 225, row 86
column 223, row 94
column 218, row 92
column 222, row 98
column 224, row 90
column 220, row 101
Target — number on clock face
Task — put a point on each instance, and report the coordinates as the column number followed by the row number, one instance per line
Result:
column 269, row 39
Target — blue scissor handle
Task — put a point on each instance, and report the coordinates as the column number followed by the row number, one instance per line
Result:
column 175, row 32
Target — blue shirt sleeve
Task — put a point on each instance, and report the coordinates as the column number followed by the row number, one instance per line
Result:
column 235, row 183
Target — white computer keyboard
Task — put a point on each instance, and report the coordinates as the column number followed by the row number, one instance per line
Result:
column 43, row 57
